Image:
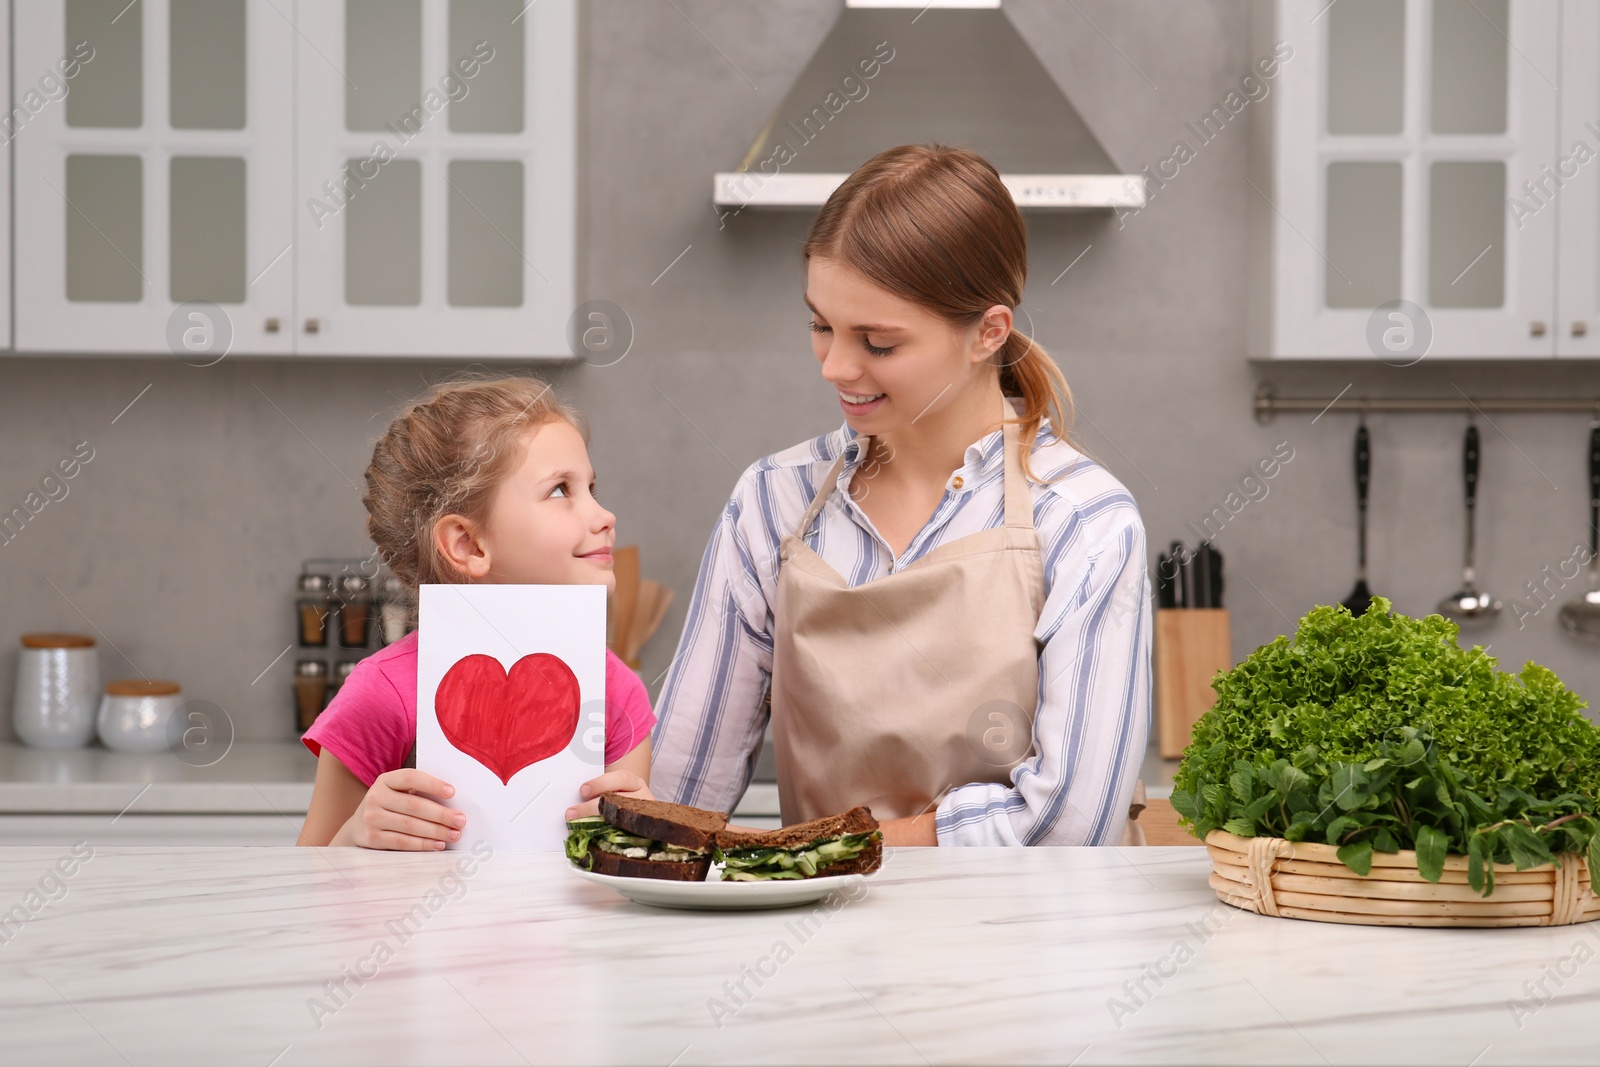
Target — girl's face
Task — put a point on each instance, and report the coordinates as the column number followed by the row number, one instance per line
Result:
column 893, row 362
column 545, row 526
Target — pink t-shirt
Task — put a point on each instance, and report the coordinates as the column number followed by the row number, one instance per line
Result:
column 371, row 723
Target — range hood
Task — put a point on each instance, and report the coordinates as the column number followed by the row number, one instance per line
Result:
column 955, row 72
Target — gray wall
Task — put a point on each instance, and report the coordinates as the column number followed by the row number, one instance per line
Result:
column 181, row 539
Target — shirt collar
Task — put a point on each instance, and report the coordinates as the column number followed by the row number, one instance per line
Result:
column 982, row 458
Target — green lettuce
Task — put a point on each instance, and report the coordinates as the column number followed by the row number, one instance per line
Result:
column 1380, row 733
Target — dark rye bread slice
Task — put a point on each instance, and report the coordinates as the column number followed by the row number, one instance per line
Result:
column 869, row 860
column 674, row 824
column 855, row 821
column 603, row 862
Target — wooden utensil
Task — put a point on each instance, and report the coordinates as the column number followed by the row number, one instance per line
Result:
column 624, row 602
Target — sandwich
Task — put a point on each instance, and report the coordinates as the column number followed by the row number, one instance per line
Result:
column 837, row 844
column 638, row 838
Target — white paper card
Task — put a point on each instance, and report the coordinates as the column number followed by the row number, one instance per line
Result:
column 511, row 690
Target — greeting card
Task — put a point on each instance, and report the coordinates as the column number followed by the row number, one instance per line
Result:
column 511, row 704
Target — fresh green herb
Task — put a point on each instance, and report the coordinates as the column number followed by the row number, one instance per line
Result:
column 1380, row 733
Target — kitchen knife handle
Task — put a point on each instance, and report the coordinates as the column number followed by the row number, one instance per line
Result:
column 1469, row 465
column 1202, row 575
column 1594, row 491
column 1180, row 575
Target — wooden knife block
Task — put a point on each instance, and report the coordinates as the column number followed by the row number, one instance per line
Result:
column 1191, row 646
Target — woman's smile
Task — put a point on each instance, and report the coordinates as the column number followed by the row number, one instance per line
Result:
column 860, row 403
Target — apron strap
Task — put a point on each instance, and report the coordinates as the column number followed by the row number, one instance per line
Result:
column 821, row 496
column 1019, row 503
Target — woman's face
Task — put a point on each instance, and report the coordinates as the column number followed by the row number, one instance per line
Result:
column 892, row 361
column 545, row 526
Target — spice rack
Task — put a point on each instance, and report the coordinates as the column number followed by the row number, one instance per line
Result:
column 344, row 610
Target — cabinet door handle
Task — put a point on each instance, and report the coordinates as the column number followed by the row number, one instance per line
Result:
column 272, row 324
column 315, row 325
column 1535, row 329
column 1580, row 328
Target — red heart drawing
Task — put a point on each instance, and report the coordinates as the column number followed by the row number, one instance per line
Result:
column 508, row 721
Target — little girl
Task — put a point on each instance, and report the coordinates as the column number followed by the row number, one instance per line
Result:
column 478, row 481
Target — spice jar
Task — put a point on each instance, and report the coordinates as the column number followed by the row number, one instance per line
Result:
column 58, row 690
column 312, row 606
column 394, row 609
column 355, row 611
column 310, row 691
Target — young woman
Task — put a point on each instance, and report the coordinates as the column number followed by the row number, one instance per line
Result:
column 943, row 605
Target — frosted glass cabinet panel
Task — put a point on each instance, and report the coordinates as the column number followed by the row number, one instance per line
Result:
column 1363, row 228
column 1366, row 66
column 1429, row 118
column 161, row 180
column 436, row 201
column 1466, row 228
column 1469, row 57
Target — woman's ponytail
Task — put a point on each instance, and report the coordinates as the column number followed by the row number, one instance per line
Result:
column 1026, row 370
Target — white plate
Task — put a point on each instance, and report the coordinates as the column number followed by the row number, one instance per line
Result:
column 714, row 894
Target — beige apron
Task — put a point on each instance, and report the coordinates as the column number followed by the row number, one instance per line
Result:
column 892, row 693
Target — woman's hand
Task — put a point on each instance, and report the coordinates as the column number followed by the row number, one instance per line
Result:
column 626, row 782
column 914, row 831
column 393, row 816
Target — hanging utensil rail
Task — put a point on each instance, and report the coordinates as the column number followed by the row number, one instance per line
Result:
column 1268, row 404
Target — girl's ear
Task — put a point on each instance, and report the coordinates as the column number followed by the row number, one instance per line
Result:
column 993, row 329
column 460, row 545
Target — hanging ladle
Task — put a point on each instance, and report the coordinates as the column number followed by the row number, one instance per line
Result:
column 1467, row 604
column 1581, row 617
column 1360, row 598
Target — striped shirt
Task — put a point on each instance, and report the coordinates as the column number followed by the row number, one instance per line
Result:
column 1092, row 722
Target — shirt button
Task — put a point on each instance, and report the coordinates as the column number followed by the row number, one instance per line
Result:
column 957, row 482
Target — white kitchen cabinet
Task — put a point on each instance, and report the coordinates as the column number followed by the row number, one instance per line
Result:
column 9, row 127
column 160, row 179
column 1574, row 181
column 1401, row 134
column 321, row 177
column 436, row 177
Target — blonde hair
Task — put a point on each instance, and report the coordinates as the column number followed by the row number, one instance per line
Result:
column 935, row 225
column 444, row 454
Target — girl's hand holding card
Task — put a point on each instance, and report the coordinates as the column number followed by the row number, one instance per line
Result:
column 394, row 816
column 619, row 781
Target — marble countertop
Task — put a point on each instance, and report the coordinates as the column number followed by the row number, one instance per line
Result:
column 287, row 956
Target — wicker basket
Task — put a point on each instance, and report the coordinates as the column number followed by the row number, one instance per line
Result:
column 1306, row 880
